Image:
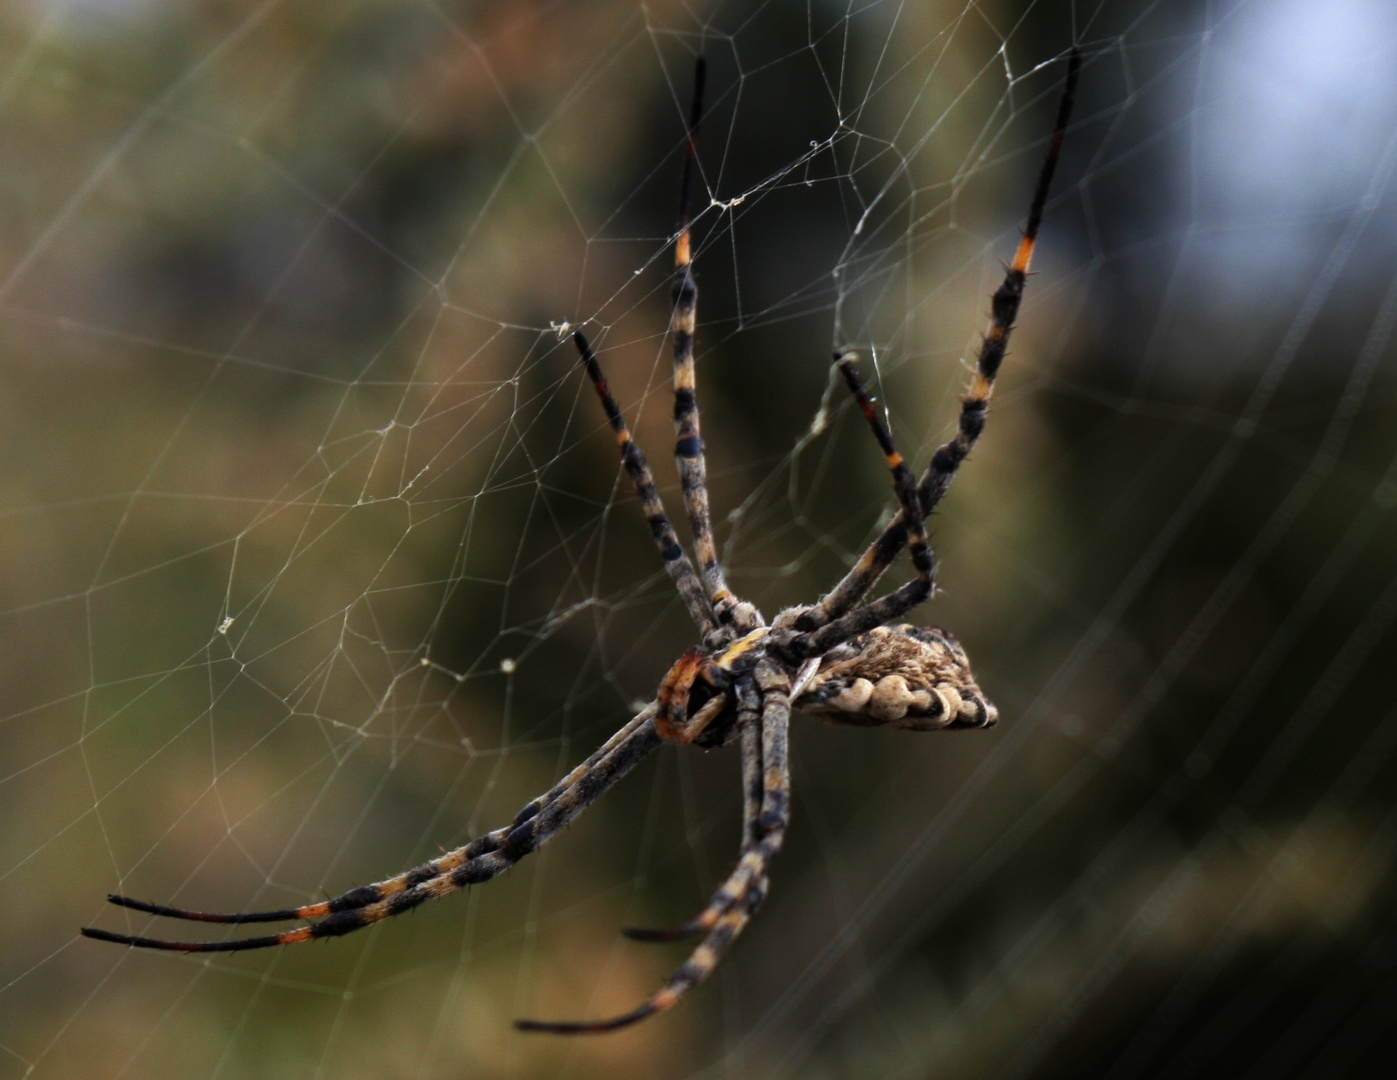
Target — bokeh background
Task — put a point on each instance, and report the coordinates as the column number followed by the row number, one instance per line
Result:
column 317, row 557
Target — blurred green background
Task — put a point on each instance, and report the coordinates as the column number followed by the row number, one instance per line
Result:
column 317, row 557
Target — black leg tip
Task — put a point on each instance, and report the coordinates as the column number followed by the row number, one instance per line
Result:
column 104, row 935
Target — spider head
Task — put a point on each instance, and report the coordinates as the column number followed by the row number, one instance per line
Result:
column 691, row 696
column 696, row 700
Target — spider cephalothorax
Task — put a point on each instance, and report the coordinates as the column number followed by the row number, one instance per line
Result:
column 697, row 699
column 835, row 659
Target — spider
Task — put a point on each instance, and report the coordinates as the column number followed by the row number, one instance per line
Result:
column 837, row 659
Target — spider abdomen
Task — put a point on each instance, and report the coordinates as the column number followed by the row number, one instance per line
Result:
column 912, row 677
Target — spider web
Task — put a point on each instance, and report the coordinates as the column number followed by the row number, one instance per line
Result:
column 318, row 558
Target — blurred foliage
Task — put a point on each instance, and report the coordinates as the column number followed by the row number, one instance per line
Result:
column 297, row 457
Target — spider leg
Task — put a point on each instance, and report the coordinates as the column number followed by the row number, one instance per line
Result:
column 908, row 596
column 688, row 445
column 1004, row 309
column 677, row 564
column 770, row 823
column 477, row 862
column 364, row 895
column 749, row 728
column 753, row 778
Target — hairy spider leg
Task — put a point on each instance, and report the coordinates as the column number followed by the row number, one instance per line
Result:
column 1004, row 309
column 907, row 596
column 753, row 785
column 364, row 895
column 472, row 864
column 749, row 730
column 680, row 569
column 688, row 445
column 770, row 824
